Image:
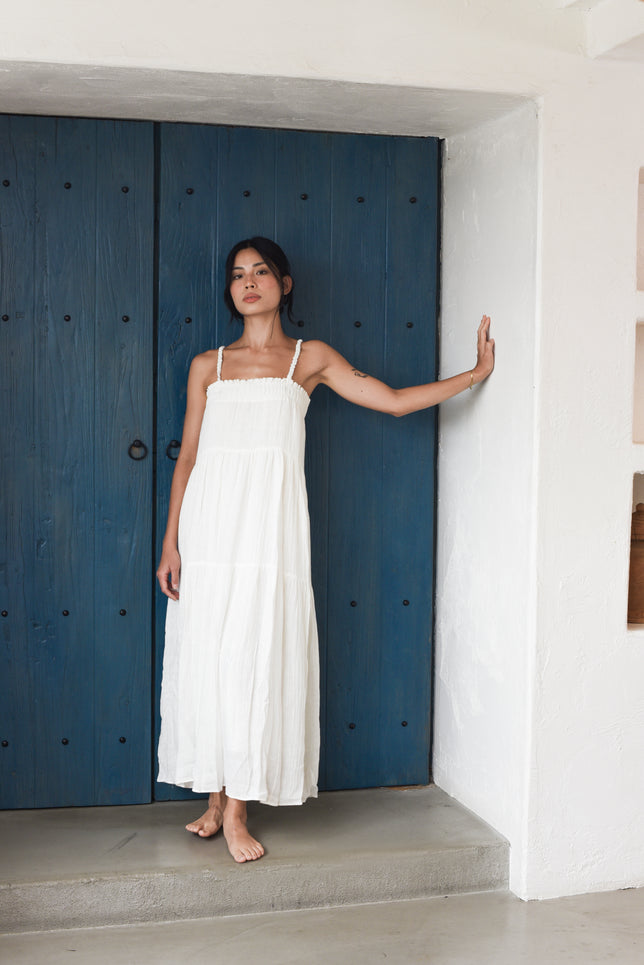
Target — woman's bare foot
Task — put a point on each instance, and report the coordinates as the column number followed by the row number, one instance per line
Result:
column 242, row 845
column 212, row 819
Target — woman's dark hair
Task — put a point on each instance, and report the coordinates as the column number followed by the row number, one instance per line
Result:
column 275, row 260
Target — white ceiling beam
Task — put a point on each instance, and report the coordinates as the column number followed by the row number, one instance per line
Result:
column 613, row 24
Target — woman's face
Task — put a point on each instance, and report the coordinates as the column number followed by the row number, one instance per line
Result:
column 253, row 287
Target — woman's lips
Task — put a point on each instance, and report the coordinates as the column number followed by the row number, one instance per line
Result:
column 251, row 298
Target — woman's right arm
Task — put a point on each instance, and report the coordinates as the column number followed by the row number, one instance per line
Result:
column 170, row 563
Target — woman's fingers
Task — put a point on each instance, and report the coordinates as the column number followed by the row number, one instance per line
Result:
column 485, row 345
column 174, row 580
column 168, row 577
column 482, row 333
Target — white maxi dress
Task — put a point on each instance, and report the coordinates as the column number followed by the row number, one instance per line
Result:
column 240, row 689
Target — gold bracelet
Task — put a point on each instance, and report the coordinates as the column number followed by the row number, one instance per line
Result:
column 471, row 378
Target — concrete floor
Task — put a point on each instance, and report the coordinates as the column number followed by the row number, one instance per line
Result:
column 155, row 890
column 482, row 929
column 85, row 867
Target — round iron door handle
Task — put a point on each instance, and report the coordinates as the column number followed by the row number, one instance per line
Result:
column 173, row 444
column 138, row 450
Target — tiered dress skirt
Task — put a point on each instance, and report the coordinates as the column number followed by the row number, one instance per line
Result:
column 240, row 690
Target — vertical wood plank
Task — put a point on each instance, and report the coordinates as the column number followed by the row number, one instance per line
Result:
column 355, row 477
column 123, row 503
column 409, row 452
column 62, row 606
column 17, row 695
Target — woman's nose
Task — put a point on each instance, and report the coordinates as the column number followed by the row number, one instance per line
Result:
column 249, row 283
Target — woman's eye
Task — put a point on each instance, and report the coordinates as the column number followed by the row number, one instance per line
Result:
column 262, row 271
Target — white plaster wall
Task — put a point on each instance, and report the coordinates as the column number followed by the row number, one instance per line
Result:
column 540, row 719
column 638, row 389
column 486, row 489
column 586, row 783
column 640, row 232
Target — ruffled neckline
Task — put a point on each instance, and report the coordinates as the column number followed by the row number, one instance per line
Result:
column 262, row 378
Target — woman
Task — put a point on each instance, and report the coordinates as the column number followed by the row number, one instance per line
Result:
column 239, row 702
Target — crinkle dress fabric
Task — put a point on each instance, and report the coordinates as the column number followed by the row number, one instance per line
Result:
column 240, row 690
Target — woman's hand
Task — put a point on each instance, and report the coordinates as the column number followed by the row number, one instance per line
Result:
column 168, row 572
column 484, row 351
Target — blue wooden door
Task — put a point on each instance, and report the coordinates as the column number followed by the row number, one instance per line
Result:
column 358, row 216
column 76, row 276
column 83, row 272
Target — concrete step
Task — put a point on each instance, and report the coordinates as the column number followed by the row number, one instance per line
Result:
column 82, row 867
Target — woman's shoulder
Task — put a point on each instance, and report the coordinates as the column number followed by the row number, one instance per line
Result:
column 205, row 359
column 320, row 354
column 315, row 348
column 203, row 368
column 318, row 358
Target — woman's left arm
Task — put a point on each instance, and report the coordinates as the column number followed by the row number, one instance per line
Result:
column 362, row 389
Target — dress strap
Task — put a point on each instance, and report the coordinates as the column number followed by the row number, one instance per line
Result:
column 220, row 359
column 296, row 356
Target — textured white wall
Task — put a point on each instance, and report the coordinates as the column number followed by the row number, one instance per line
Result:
column 540, row 720
column 540, row 715
column 638, row 391
column 640, row 232
column 486, row 483
column 586, row 828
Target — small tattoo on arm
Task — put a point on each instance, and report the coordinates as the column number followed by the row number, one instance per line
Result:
column 360, row 375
